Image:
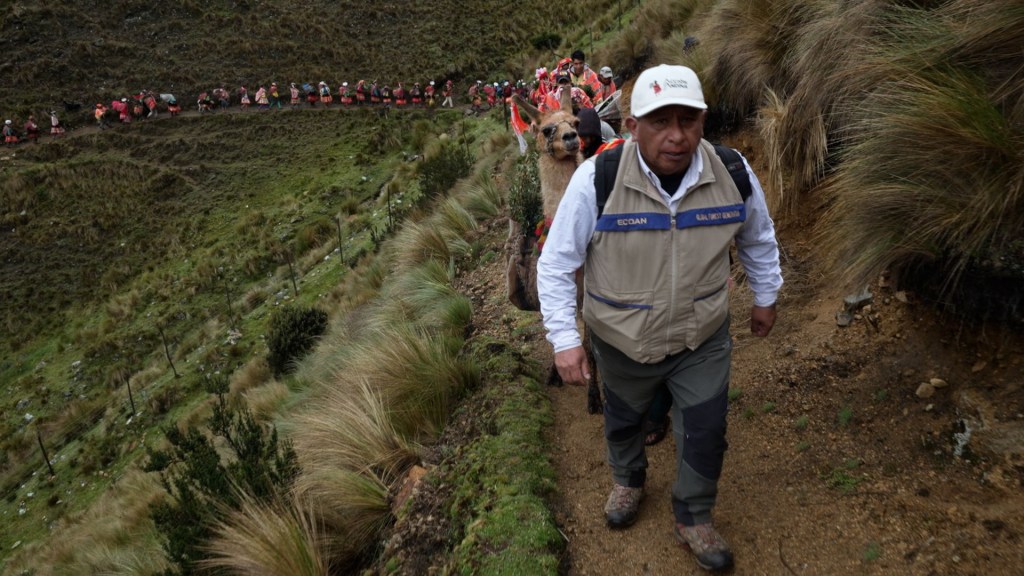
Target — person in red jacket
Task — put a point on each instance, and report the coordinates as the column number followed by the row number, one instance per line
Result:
column 400, row 96
column 32, row 129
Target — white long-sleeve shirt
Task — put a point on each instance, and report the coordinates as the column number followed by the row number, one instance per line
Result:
column 565, row 249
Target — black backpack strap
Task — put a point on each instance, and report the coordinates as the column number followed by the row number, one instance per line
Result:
column 606, row 168
column 734, row 164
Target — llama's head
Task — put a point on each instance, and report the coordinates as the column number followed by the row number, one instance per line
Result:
column 555, row 130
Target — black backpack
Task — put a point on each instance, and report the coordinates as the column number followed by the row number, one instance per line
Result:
column 607, row 167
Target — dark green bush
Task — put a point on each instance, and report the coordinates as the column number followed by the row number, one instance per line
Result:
column 202, row 486
column 293, row 332
column 439, row 173
column 546, row 41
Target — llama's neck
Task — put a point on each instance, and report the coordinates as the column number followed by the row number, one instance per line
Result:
column 554, row 178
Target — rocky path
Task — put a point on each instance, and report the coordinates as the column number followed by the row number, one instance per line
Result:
column 835, row 465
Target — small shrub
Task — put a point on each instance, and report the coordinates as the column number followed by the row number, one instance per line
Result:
column 293, row 332
column 440, row 172
column 735, row 394
column 546, row 41
column 872, row 552
column 801, row 422
column 768, row 407
column 845, row 416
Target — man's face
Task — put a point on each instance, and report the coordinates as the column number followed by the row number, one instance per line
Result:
column 603, row 80
column 577, row 67
column 668, row 137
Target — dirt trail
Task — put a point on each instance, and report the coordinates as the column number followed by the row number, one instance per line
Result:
column 835, row 465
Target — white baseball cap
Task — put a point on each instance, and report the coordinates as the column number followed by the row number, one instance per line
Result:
column 666, row 85
column 606, row 72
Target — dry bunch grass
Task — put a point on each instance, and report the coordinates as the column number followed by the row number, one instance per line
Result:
column 271, row 539
column 933, row 170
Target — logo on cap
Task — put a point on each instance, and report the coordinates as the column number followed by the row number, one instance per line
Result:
column 655, row 87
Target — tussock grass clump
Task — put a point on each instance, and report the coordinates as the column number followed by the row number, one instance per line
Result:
column 931, row 176
column 269, row 539
column 419, row 375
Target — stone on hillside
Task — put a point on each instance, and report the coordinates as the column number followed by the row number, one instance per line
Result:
column 925, row 390
column 843, row 319
column 901, row 296
column 979, row 366
column 855, row 302
column 938, row 383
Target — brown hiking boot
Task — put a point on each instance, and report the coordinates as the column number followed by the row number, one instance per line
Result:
column 622, row 506
column 708, row 546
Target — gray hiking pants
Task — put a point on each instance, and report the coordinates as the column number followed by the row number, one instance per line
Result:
column 698, row 381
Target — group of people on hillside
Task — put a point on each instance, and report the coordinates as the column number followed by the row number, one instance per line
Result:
column 589, row 89
column 30, row 130
column 361, row 93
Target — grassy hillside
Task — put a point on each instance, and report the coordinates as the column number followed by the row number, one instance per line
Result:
column 91, row 51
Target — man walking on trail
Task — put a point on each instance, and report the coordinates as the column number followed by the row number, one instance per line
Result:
column 656, row 295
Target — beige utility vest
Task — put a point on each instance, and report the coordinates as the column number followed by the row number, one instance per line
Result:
column 656, row 284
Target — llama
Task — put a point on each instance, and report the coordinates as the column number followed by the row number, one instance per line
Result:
column 560, row 155
column 559, row 145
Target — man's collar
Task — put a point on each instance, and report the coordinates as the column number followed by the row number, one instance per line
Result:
column 691, row 175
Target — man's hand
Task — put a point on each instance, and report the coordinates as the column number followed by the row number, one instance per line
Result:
column 762, row 318
column 572, row 366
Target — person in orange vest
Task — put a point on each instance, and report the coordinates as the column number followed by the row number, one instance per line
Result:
column 607, row 79
column 582, row 76
column 100, row 113
column 474, row 96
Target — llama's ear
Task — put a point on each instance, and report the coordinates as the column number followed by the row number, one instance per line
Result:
column 523, row 104
column 565, row 100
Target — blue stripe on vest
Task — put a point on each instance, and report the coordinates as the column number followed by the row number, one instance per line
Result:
column 635, row 221
column 615, row 304
column 713, row 216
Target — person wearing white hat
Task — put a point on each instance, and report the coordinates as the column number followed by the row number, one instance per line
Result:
column 656, row 324
column 10, row 135
column 607, row 79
